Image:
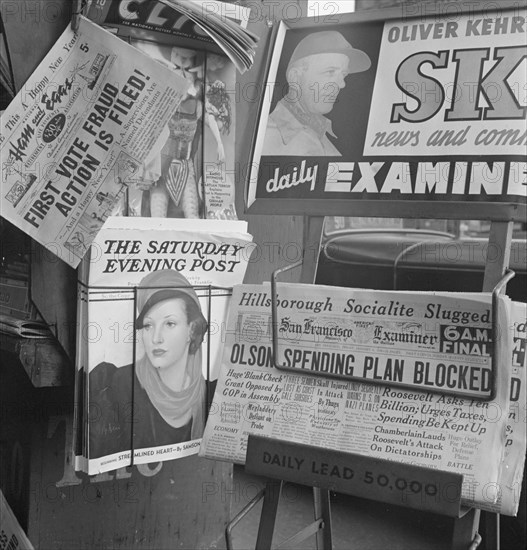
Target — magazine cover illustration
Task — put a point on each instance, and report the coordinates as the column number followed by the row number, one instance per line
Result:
column 156, row 296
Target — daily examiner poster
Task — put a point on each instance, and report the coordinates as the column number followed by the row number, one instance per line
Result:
column 360, row 113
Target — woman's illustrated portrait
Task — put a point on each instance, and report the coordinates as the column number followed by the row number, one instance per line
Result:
column 159, row 400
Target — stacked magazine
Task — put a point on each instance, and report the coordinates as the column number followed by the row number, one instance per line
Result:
column 153, row 296
column 213, row 17
column 210, row 24
column 189, row 171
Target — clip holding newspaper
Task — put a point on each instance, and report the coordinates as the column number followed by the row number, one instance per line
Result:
column 82, row 124
column 414, row 426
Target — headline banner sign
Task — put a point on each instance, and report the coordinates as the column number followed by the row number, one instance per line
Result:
column 367, row 477
column 366, row 115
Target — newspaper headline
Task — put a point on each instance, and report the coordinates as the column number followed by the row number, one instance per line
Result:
column 399, row 338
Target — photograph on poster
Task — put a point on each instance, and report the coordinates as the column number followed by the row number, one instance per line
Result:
column 316, row 73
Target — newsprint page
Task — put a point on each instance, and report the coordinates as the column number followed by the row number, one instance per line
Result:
column 77, row 131
column 404, row 350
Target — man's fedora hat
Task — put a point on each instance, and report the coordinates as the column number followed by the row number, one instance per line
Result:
column 331, row 42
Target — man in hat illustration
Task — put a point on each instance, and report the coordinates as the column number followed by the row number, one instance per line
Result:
column 315, row 74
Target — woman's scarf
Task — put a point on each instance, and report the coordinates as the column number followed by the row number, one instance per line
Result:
column 175, row 406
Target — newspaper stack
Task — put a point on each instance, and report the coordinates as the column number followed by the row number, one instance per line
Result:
column 153, row 296
column 11, row 533
column 512, row 466
column 422, row 363
column 14, row 287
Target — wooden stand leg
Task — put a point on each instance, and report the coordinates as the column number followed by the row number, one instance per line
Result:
column 273, row 490
column 465, row 529
column 322, row 507
column 491, row 530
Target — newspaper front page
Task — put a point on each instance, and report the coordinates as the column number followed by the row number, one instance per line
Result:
column 77, row 131
column 155, row 296
column 411, row 425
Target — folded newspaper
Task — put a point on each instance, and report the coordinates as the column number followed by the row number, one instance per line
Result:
column 512, row 466
column 83, row 122
column 373, row 417
column 153, row 296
